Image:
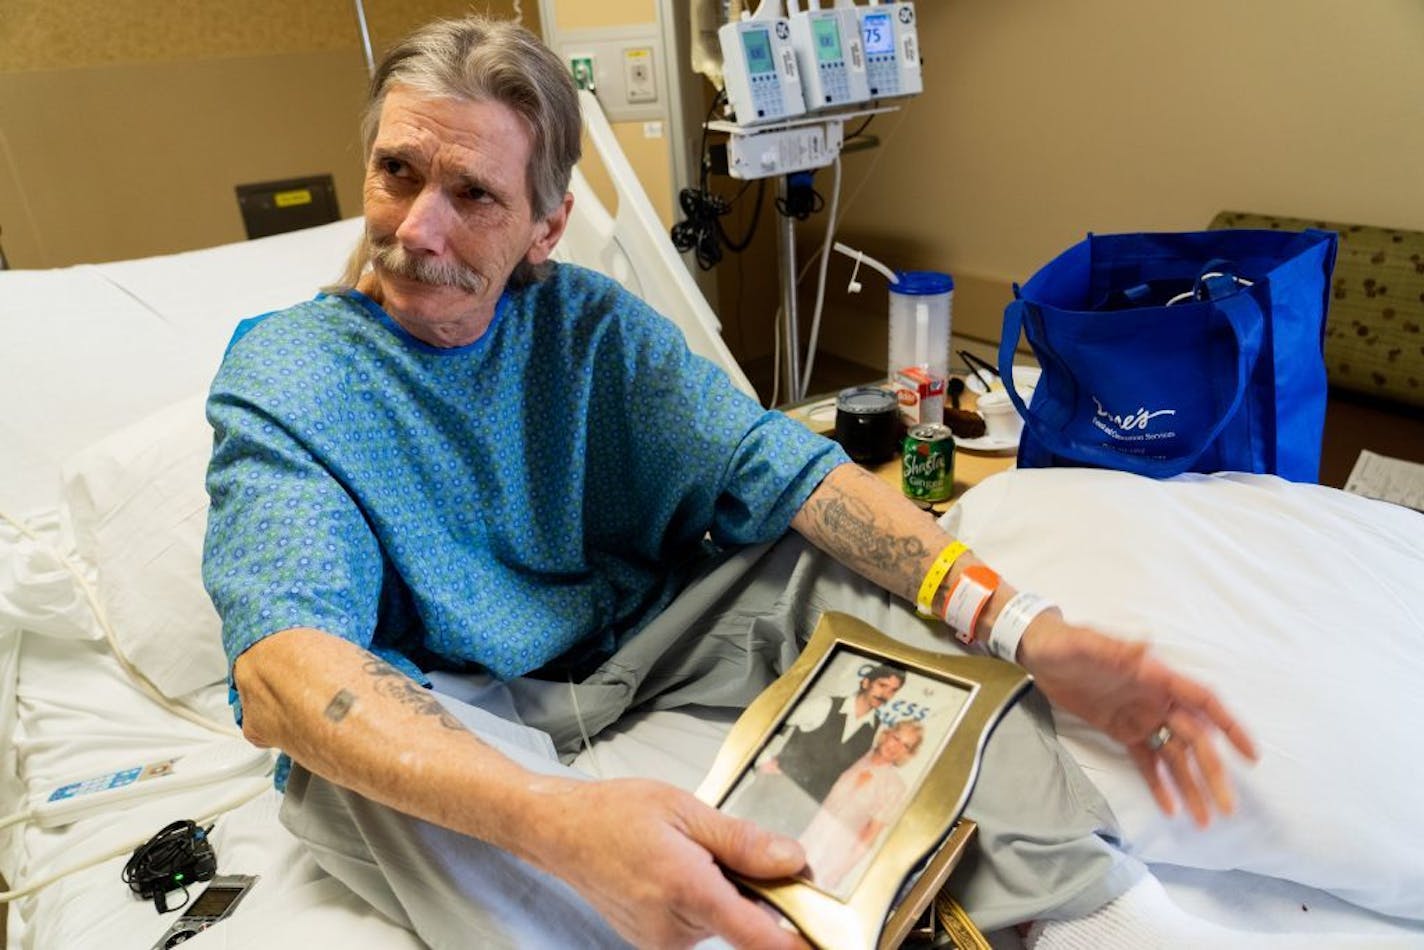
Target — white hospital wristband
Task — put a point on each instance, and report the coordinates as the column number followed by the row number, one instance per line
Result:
column 1013, row 620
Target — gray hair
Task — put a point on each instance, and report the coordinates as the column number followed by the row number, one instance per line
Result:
column 479, row 59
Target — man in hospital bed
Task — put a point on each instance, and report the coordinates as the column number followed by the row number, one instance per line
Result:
column 475, row 465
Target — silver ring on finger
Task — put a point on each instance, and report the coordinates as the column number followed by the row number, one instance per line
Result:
column 1160, row 737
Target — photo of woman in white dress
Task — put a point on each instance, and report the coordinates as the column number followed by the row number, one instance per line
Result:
column 861, row 804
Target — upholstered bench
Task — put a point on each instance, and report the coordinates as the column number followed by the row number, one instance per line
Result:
column 1374, row 336
column 1374, row 340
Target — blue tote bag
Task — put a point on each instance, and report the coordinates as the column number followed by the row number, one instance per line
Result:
column 1171, row 353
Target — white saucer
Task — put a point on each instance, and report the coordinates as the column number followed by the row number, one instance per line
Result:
column 987, row 443
column 1025, row 379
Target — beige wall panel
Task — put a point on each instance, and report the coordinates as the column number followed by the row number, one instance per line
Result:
column 1042, row 121
column 68, row 34
column 594, row 172
column 389, row 20
column 44, row 34
column 120, row 162
column 650, row 161
column 594, row 14
column 126, row 138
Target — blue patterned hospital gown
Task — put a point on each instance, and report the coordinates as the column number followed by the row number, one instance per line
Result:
column 545, row 489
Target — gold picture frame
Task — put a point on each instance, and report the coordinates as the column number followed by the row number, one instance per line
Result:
column 881, row 833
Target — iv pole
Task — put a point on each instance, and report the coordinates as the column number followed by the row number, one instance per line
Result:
column 365, row 37
column 786, row 258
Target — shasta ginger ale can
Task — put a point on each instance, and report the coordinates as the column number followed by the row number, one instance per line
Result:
column 927, row 464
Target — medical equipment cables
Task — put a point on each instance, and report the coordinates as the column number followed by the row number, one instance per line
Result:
column 850, row 251
column 583, row 732
column 860, row 129
column 144, row 684
column 863, row 258
column 148, row 689
column 255, row 788
column 702, row 231
column 805, row 268
column 802, row 200
column 180, row 853
column 778, row 318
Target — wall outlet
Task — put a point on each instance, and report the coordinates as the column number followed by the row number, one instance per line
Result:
column 638, row 82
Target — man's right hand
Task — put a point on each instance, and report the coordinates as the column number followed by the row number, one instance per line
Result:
column 646, row 855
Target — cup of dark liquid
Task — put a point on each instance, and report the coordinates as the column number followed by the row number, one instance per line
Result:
column 867, row 423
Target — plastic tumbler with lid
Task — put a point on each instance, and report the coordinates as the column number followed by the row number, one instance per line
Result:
column 920, row 304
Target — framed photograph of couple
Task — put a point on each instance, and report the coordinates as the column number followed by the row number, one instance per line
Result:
column 866, row 751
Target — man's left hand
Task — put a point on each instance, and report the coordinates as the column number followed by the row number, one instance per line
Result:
column 1119, row 687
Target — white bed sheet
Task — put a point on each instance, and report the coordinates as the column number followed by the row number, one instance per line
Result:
column 82, row 717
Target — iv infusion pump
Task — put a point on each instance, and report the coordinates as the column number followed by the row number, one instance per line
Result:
column 832, row 58
column 892, row 49
column 759, row 66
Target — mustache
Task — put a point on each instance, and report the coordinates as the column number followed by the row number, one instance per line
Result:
column 390, row 256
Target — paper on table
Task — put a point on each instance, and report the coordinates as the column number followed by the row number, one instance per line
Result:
column 1387, row 479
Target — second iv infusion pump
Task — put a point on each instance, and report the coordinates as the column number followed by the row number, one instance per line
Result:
column 892, row 49
column 831, row 56
column 759, row 66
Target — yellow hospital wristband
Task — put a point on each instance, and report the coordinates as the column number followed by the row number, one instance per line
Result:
column 935, row 577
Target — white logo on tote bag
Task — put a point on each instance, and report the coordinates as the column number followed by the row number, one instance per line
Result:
column 1133, row 426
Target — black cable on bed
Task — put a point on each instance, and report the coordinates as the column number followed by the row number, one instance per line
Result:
column 174, row 858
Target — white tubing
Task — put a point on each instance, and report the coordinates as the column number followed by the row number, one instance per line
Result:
column 249, row 792
column 140, row 681
column 869, row 261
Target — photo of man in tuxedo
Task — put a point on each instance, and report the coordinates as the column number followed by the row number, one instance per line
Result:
column 823, row 737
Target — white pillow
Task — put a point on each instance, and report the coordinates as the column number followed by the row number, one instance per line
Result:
column 1301, row 606
column 138, row 511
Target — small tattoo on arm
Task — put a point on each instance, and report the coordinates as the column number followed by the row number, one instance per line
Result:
column 340, row 705
column 393, row 684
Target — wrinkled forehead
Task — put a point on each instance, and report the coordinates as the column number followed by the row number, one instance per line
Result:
column 478, row 138
column 449, row 116
column 432, row 120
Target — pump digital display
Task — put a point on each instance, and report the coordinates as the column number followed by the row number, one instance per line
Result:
column 758, row 46
column 879, row 35
column 828, row 39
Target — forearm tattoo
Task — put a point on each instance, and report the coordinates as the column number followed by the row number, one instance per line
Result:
column 392, row 683
column 340, row 705
column 849, row 530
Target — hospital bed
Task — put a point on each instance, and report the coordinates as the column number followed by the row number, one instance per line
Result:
column 1302, row 605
